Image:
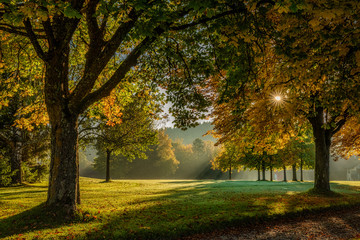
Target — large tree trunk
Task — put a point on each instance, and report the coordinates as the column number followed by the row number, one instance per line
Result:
column 108, row 154
column 63, row 193
column 322, row 152
column 64, row 167
column 294, row 172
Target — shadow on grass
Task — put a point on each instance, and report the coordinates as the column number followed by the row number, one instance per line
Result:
column 192, row 209
column 178, row 212
column 35, row 219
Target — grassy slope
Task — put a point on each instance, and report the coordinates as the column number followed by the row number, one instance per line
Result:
column 148, row 209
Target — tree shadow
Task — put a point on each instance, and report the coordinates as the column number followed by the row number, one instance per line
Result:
column 181, row 211
column 325, row 224
column 37, row 218
column 172, row 213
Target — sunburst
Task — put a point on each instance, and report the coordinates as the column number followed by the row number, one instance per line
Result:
column 277, row 99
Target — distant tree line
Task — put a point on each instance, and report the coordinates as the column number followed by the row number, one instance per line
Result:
column 295, row 154
column 166, row 159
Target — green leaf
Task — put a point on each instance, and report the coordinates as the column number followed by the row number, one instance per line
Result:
column 71, row 13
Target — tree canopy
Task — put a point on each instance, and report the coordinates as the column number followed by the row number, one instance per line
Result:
column 88, row 47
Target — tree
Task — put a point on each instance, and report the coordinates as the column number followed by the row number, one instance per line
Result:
column 160, row 161
column 228, row 159
column 185, row 155
column 130, row 138
column 26, row 144
column 293, row 83
column 77, row 42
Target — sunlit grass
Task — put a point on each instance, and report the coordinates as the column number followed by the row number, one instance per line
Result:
column 148, row 209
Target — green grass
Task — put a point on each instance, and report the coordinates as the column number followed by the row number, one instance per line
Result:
column 152, row 209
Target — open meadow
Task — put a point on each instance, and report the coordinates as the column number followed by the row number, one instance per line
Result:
column 165, row 209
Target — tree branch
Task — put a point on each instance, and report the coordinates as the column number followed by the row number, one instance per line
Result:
column 339, row 124
column 93, row 28
column 96, row 60
column 206, row 19
column 34, row 40
column 20, row 33
column 118, row 76
column 49, row 33
column 20, row 28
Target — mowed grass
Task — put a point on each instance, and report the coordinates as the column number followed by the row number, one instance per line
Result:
column 159, row 209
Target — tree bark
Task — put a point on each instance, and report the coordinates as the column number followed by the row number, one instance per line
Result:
column 284, row 167
column 64, row 167
column 259, row 173
column 108, row 154
column 63, row 193
column 294, row 172
column 322, row 152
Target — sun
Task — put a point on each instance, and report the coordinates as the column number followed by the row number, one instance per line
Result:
column 277, row 98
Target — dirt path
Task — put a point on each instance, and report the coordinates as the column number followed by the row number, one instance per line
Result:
column 330, row 224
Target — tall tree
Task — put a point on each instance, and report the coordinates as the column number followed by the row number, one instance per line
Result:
column 78, row 41
column 298, row 61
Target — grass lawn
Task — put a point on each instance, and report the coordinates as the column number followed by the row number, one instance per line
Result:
column 151, row 209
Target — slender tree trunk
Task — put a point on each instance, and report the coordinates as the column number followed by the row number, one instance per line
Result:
column 301, row 170
column 271, row 173
column 259, row 173
column 15, row 163
column 322, row 152
column 294, row 172
column 263, row 170
column 108, row 154
column 284, row 167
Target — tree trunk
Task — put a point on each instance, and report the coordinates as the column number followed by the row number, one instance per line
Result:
column 294, row 172
column 64, row 167
column 230, row 171
column 63, row 193
column 15, row 163
column 301, row 171
column 322, row 152
column 271, row 168
column 108, row 154
column 258, row 173
column 263, row 170
column 284, row 167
